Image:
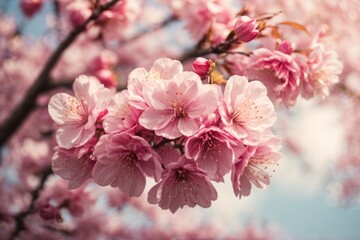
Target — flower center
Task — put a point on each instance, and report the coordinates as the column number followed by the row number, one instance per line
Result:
column 178, row 108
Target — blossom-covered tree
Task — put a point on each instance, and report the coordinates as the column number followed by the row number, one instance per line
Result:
column 147, row 105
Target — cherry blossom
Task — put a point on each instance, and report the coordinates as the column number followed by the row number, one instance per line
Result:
column 278, row 71
column 77, row 116
column 246, row 111
column 178, row 103
column 251, row 167
column 162, row 69
column 214, row 151
column 183, row 183
column 123, row 160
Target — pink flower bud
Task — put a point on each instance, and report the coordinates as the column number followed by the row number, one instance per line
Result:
column 106, row 77
column 286, row 47
column 49, row 212
column 202, row 67
column 106, row 60
column 245, row 29
column 30, row 7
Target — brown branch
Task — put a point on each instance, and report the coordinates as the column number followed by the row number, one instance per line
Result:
column 12, row 123
column 350, row 93
column 20, row 217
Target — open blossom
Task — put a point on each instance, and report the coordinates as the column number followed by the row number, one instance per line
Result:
column 214, row 152
column 183, row 183
column 121, row 116
column 324, row 69
column 75, row 164
column 123, row 160
column 251, row 166
column 162, row 69
column 175, row 105
column 278, row 71
column 77, row 116
column 245, row 29
column 246, row 111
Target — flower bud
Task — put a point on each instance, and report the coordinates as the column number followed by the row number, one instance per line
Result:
column 286, row 47
column 30, row 7
column 203, row 67
column 245, row 29
column 79, row 12
column 48, row 212
column 106, row 77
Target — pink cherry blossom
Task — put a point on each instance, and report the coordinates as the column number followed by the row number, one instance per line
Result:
column 162, row 69
column 252, row 165
column 324, row 69
column 77, row 116
column 278, row 71
column 123, row 160
column 75, row 164
column 246, row 110
column 245, row 29
column 214, row 152
column 183, row 183
column 175, row 105
column 121, row 116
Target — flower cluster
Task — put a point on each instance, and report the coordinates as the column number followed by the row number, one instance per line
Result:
column 168, row 126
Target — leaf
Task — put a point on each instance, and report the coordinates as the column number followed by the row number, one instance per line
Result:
column 295, row 25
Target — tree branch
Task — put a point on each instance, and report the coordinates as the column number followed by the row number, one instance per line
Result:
column 12, row 123
column 19, row 218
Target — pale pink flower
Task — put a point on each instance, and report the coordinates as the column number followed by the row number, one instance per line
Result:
column 278, row 71
column 246, row 110
column 105, row 60
column 162, row 69
column 324, row 70
column 123, row 160
column 107, row 77
column 251, row 168
column 75, row 164
column 245, row 29
column 182, row 183
column 121, row 116
column 175, row 105
column 202, row 67
column 214, row 152
column 77, row 116
column 114, row 20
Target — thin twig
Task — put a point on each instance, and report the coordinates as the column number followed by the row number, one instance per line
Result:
column 12, row 123
column 20, row 217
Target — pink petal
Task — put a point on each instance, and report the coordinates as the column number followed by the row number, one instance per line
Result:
column 187, row 126
column 64, row 108
column 105, row 174
column 68, row 136
column 156, row 119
